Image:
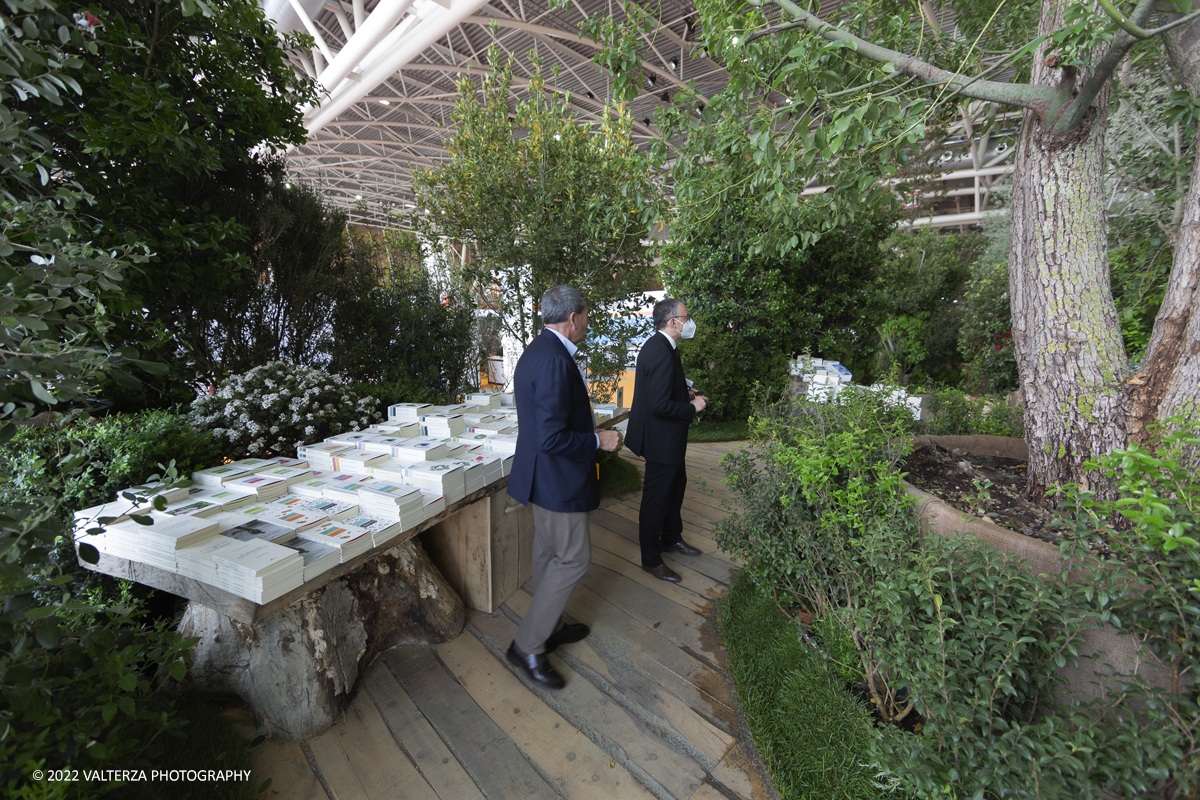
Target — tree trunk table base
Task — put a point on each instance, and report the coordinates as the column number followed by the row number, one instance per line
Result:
column 297, row 667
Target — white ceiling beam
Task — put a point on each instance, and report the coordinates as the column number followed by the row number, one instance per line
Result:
column 312, row 28
column 382, row 21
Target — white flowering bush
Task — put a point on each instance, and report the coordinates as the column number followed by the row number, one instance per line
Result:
column 273, row 409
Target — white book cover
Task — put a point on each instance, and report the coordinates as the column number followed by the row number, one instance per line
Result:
column 311, row 489
column 397, row 494
column 253, row 464
column 407, row 411
column 294, row 463
column 425, row 447
column 216, row 476
column 358, row 460
column 349, row 437
column 289, row 475
column 293, row 518
column 253, row 530
column 227, row 497
column 258, row 558
column 331, row 508
column 148, row 492
column 337, row 534
column 323, row 449
column 193, row 506
column 405, row 430
column 167, row 529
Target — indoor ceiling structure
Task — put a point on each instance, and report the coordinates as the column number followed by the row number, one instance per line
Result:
column 388, row 71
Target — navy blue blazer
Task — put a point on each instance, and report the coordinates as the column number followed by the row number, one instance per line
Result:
column 661, row 409
column 556, row 440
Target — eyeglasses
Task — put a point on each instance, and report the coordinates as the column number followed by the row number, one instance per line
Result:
column 685, row 319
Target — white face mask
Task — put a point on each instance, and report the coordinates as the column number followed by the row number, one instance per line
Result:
column 689, row 329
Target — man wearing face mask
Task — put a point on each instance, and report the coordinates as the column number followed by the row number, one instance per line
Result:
column 663, row 407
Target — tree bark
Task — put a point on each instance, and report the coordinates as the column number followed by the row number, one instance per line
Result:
column 1069, row 350
column 1169, row 380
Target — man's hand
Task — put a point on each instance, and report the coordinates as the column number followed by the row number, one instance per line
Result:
column 700, row 402
column 609, row 440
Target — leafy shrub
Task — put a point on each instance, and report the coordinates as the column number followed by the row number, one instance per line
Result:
column 272, row 409
column 85, row 698
column 86, row 463
column 952, row 413
column 965, row 636
column 985, row 338
column 1152, row 527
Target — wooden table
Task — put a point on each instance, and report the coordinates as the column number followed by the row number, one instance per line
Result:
column 296, row 659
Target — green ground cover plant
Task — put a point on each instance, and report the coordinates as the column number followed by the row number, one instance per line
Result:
column 950, row 412
column 966, row 636
column 813, row 734
column 727, row 431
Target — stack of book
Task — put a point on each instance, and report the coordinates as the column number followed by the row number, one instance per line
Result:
column 351, row 438
column 455, row 450
column 255, row 464
column 228, row 498
column 421, row 449
column 478, row 419
column 408, row 412
column 196, row 561
column 215, row 477
column 255, row 530
column 313, row 489
column 318, row 557
column 148, row 492
column 405, row 430
column 473, row 475
column 344, row 486
column 492, row 464
column 502, row 444
column 443, row 426
column 433, row 503
column 358, row 462
column 381, row 443
column 444, row 477
column 289, row 475
column 383, row 529
column 501, row 427
column 264, row 487
column 396, row 501
column 350, row 540
column 193, row 507
column 119, row 510
column 331, row 508
column 259, row 571
column 156, row 544
column 485, row 399
column 288, row 516
column 507, row 399
column 320, row 455
column 292, row 463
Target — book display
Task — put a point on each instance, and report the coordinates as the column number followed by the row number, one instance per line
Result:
column 259, row 528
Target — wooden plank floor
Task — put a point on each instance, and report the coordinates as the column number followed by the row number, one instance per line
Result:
column 648, row 710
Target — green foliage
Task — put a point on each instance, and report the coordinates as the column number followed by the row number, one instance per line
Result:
column 949, row 412
column 1152, row 526
column 754, row 313
column 171, row 160
column 273, row 409
column 949, row 628
column 919, row 292
column 1139, row 277
column 813, row 734
column 539, row 197
column 83, row 464
column 409, row 338
column 89, row 698
column 617, row 476
column 985, row 339
column 730, row 431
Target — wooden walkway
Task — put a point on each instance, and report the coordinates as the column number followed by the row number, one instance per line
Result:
column 648, row 710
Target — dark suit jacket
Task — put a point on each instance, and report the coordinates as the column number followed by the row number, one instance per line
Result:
column 556, row 440
column 661, row 411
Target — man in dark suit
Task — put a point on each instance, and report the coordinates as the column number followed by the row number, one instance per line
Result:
column 663, row 407
column 555, row 470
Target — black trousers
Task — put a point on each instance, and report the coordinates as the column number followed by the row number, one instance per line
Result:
column 659, row 523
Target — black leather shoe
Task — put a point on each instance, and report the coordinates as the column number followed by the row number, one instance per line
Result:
column 536, row 667
column 663, row 573
column 683, row 548
column 567, row 634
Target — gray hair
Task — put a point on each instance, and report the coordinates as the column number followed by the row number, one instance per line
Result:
column 560, row 302
column 663, row 311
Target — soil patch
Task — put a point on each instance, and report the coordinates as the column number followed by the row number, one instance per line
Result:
column 990, row 487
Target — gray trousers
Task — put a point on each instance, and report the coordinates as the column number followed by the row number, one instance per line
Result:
column 562, row 551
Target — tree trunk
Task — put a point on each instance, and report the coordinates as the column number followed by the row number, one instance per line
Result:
column 1069, row 350
column 1168, row 383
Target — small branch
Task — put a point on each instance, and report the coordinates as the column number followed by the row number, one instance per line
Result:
column 153, row 41
column 1035, row 98
column 1127, row 25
